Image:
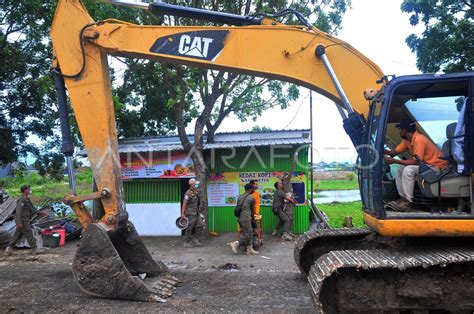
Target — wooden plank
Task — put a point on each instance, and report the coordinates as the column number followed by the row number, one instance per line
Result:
column 7, row 208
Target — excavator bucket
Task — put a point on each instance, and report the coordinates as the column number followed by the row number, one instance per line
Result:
column 119, row 266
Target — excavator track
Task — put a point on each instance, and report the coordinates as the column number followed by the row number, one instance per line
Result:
column 312, row 244
column 356, row 271
column 362, row 281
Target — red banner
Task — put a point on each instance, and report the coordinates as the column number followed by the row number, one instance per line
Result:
column 156, row 165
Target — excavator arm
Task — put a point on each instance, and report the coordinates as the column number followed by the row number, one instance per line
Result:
column 298, row 54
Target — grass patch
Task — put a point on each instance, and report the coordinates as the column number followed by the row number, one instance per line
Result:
column 325, row 185
column 45, row 187
column 337, row 211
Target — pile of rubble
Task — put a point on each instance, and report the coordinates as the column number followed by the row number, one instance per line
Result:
column 45, row 228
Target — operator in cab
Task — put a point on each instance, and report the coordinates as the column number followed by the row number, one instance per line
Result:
column 418, row 145
column 191, row 211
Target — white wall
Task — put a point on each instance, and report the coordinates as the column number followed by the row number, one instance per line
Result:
column 155, row 219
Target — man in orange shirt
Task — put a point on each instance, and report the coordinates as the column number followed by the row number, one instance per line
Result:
column 256, row 196
column 418, row 145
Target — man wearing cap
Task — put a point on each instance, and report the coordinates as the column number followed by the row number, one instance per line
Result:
column 191, row 211
column 418, row 145
column 280, row 200
column 24, row 212
column 288, row 205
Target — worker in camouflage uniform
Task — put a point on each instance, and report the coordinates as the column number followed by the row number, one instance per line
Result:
column 282, row 208
column 191, row 211
column 24, row 212
column 246, row 203
column 288, row 189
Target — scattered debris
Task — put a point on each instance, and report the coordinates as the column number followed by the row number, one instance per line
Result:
column 229, row 266
column 177, row 265
column 264, row 257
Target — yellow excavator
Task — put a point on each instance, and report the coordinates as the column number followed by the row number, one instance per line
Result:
column 403, row 261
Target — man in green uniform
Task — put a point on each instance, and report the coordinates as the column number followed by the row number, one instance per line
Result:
column 24, row 212
column 191, row 211
column 246, row 202
column 288, row 203
column 282, row 204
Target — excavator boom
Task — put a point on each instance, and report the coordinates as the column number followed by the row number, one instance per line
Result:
column 297, row 54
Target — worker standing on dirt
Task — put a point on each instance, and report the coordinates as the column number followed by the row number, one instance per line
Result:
column 246, row 206
column 256, row 196
column 280, row 208
column 24, row 212
column 288, row 202
column 191, row 211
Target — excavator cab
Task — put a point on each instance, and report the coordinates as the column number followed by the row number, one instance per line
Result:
column 404, row 261
column 440, row 105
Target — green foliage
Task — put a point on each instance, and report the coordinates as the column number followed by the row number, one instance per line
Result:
column 51, row 165
column 174, row 95
column 26, row 96
column 194, row 93
column 351, row 176
column 329, row 14
column 153, row 98
column 84, row 176
column 446, row 44
column 258, row 128
column 325, row 185
column 336, row 213
column 20, row 179
column 47, row 187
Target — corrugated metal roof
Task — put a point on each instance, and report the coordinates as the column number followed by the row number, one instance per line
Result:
column 259, row 142
column 221, row 140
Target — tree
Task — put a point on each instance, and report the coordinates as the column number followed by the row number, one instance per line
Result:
column 153, row 98
column 446, row 44
column 28, row 103
column 25, row 60
column 140, row 100
column 258, row 128
column 50, row 164
column 211, row 96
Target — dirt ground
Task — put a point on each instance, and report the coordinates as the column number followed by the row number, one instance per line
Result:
column 269, row 282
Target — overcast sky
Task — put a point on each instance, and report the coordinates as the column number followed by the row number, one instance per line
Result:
column 377, row 29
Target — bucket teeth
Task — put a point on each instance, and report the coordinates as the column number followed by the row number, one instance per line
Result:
column 169, row 282
column 105, row 266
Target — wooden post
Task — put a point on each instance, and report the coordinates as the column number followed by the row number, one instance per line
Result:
column 348, row 222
